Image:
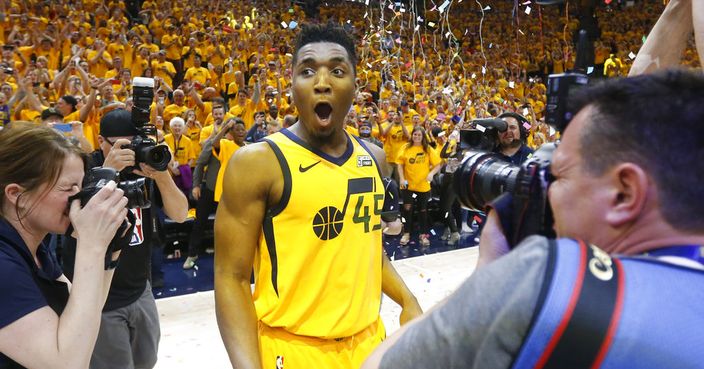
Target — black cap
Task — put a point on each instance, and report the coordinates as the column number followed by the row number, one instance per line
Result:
column 117, row 123
column 51, row 112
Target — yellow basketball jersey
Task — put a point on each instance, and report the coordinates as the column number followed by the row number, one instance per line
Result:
column 318, row 265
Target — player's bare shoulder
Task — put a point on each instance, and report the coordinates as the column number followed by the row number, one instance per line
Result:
column 254, row 169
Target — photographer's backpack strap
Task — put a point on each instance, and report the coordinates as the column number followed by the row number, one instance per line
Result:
column 578, row 309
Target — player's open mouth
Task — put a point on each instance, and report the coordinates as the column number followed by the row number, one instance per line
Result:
column 323, row 110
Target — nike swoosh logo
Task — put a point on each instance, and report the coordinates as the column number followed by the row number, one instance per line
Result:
column 303, row 169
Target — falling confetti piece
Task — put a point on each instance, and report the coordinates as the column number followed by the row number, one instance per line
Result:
column 417, row 27
column 447, row 34
column 511, row 84
column 292, row 25
column 431, row 24
column 483, row 70
column 632, row 55
column 521, row 32
column 284, row 25
column 433, row 232
column 526, row 125
column 480, row 128
column 487, row 8
column 414, row 195
column 474, row 75
column 590, row 70
column 443, row 6
column 528, row 10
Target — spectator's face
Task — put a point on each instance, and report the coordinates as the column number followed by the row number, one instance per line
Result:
column 218, row 114
column 579, row 199
column 323, row 86
column 63, row 107
column 417, row 137
column 238, row 133
column 177, row 128
column 512, row 136
column 178, row 97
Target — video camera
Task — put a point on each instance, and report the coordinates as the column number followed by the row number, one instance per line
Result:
column 145, row 148
column 483, row 175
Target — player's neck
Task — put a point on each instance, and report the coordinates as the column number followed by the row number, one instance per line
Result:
column 334, row 144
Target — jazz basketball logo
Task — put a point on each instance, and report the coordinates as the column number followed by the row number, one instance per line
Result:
column 138, row 235
column 279, row 362
column 328, row 221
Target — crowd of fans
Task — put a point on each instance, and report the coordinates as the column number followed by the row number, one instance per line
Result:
column 67, row 63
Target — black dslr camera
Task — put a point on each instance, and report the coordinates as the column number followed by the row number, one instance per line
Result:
column 145, row 148
column 96, row 178
column 137, row 197
column 483, row 176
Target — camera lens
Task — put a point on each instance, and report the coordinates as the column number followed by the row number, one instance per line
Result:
column 482, row 177
column 157, row 157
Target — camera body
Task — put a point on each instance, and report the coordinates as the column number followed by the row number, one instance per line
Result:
column 96, row 178
column 145, row 148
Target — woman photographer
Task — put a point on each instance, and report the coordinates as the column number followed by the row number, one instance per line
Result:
column 41, row 324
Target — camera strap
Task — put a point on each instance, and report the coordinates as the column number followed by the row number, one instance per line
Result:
column 578, row 309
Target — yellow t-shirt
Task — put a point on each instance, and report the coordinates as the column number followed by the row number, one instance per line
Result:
column 181, row 148
column 417, row 164
column 318, row 263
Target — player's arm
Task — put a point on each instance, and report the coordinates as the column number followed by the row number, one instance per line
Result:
column 667, row 40
column 238, row 222
column 391, row 282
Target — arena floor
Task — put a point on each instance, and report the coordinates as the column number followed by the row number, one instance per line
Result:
column 190, row 336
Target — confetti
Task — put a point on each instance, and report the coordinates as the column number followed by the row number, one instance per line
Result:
column 474, row 75
column 447, row 91
column 402, row 10
column 292, row 25
column 526, row 3
column 433, row 232
column 447, row 34
column 526, row 125
column 521, row 32
column 466, row 30
column 431, row 24
column 487, row 8
column 490, row 45
column 391, row 6
column 632, row 55
column 420, row 19
column 511, row 84
column 366, row 14
column 369, row 65
column 483, row 70
column 590, row 70
column 447, row 214
column 443, row 6
column 398, row 40
column 403, row 219
column 414, row 195
column 348, row 21
column 528, row 10
column 552, row 131
column 480, row 128
column 284, row 25
column 644, row 39
column 383, row 62
column 417, row 27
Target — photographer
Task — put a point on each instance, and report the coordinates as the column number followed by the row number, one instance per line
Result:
column 129, row 331
column 629, row 305
column 41, row 324
column 512, row 142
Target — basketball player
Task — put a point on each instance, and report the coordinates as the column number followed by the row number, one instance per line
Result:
column 303, row 208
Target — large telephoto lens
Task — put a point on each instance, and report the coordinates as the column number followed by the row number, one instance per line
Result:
column 482, row 177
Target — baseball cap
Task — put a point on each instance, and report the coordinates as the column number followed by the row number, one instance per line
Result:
column 51, row 112
column 117, row 123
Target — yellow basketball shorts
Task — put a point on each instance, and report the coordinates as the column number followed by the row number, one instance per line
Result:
column 283, row 350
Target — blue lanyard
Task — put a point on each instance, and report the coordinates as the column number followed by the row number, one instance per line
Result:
column 692, row 252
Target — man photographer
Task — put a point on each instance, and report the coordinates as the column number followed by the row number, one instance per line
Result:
column 561, row 303
column 129, row 329
column 512, row 142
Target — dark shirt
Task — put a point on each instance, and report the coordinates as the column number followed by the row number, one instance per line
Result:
column 24, row 286
column 523, row 153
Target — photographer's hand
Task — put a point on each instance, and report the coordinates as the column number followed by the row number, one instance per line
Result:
column 119, row 158
column 492, row 243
